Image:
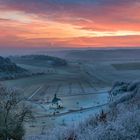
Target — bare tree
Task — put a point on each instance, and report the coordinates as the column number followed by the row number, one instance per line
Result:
column 13, row 114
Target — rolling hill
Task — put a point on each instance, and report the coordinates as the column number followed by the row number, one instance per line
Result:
column 9, row 70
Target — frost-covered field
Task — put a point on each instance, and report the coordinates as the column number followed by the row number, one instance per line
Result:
column 120, row 121
column 80, row 96
column 83, row 88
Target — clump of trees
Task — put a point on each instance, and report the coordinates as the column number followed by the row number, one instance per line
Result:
column 13, row 114
column 50, row 60
column 6, row 65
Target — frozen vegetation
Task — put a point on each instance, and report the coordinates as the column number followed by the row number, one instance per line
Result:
column 13, row 114
column 119, row 121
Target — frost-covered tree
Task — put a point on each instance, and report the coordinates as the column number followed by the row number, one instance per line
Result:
column 13, row 114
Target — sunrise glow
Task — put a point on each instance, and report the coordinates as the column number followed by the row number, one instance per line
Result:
column 69, row 23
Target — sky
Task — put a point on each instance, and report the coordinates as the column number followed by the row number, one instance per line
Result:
column 69, row 23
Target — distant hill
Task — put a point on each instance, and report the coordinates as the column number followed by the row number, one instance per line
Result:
column 9, row 70
column 39, row 60
column 104, row 55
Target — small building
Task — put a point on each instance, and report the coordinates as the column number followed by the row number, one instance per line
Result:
column 56, row 103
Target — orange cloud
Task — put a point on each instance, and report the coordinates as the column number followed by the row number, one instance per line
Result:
column 116, row 26
column 121, row 41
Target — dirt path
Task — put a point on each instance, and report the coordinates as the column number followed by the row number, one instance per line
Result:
column 73, row 111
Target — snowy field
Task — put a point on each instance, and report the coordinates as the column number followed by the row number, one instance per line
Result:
column 82, row 87
column 79, row 95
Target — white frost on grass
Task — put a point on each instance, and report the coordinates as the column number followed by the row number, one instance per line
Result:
column 120, row 122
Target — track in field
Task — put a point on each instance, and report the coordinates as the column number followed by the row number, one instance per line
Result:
column 34, row 93
column 62, row 89
column 45, row 92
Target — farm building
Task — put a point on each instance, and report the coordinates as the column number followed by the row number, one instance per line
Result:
column 56, row 102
